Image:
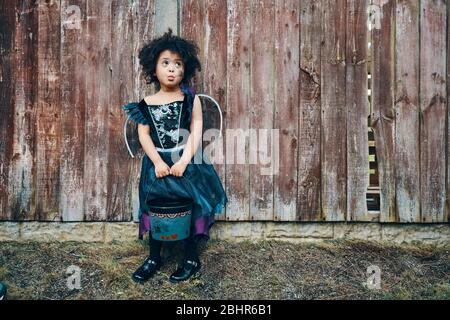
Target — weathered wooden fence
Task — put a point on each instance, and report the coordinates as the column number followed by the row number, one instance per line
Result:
column 298, row 66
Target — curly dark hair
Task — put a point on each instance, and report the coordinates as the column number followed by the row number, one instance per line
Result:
column 188, row 51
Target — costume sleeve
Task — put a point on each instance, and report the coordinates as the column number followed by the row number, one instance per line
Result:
column 135, row 113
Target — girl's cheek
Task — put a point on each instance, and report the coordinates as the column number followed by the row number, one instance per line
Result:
column 180, row 73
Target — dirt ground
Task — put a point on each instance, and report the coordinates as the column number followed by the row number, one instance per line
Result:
column 263, row 270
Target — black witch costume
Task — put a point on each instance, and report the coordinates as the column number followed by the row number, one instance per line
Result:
column 199, row 182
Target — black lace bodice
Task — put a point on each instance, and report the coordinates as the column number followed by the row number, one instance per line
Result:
column 166, row 119
column 169, row 123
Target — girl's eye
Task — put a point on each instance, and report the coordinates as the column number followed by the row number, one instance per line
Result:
column 178, row 64
column 165, row 63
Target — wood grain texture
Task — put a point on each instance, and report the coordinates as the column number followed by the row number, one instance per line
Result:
column 73, row 108
column 433, row 110
column 309, row 167
column 286, row 106
column 358, row 111
column 167, row 16
column 383, row 112
column 334, row 112
column 48, row 120
column 143, row 24
column 215, row 70
column 7, row 100
column 299, row 67
column 193, row 28
column 262, row 110
column 407, row 153
column 98, row 103
column 238, row 110
column 447, row 201
column 119, row 179
column 22, row 170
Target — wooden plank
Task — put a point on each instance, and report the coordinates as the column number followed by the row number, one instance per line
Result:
column 143, row 25
column 193, row 28
column 447, row 202
column 334, row 112
column 237, row 120
column 262, row 105
column 166, row 16
column 73, row 108
column 7, row 82
column 309, row 167
column 121, row 91
column 22, row 171
column 98, row 104
column 286, row 118
column 432, row 109
column 48, row 121
column 382, row 94
column 214, row 71
column 407, row 153
column 358, row 104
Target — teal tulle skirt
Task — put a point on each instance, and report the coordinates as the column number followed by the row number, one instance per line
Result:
column 199, row 182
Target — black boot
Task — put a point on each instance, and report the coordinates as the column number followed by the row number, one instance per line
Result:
column 189, row 269
column 147, row 270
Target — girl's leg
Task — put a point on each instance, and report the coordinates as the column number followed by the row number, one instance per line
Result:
column 191, row 249
column 151, row 263
column 155, row 249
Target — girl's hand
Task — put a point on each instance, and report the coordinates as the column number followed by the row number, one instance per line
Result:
column 178, row 169
column 161, row 169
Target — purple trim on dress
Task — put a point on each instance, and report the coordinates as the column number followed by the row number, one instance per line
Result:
column 144, row 225
column 190, row 89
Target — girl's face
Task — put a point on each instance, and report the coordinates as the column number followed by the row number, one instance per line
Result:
column 169, row 69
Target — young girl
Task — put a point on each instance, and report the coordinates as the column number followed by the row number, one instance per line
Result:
column 170, row 62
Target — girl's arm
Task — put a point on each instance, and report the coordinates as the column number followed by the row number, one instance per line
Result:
column 147, row 144
column 195, row 132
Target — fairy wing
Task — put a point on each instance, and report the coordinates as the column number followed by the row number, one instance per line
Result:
column 130, row 131
column 131, row 136
column 212, row 119
column 212, row 123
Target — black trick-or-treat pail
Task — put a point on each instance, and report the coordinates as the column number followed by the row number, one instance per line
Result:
column 170, row 220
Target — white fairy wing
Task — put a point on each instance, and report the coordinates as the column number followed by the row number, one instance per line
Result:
column 212, row 119
column 131, row 137
column 130, row 132
column 212, row 123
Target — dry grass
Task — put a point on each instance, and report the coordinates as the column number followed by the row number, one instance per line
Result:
column 264, row 270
